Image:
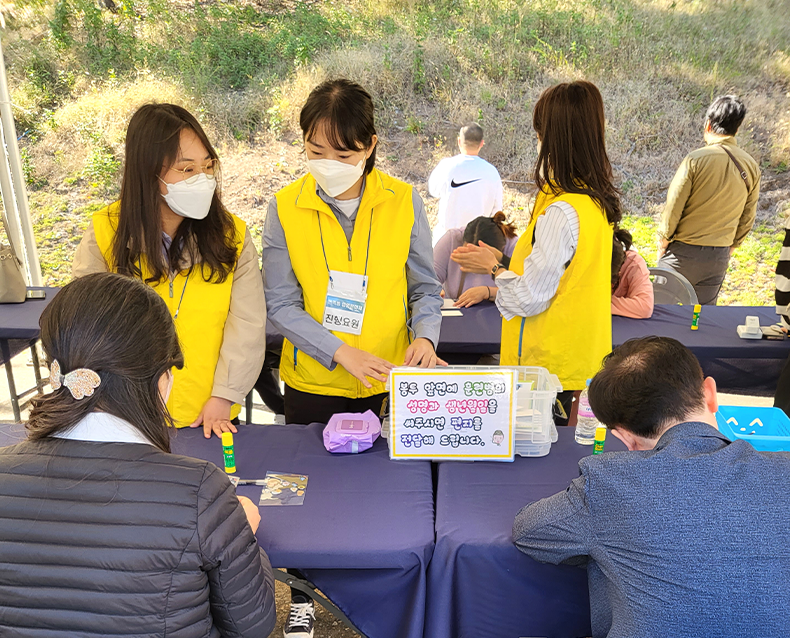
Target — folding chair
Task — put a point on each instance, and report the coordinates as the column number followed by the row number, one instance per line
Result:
column 670, row 287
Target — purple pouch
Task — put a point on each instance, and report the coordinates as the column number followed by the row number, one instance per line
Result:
column 350, row 433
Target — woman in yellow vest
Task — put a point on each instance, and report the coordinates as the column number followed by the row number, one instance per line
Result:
column 555, row 299
column 348, row 266
column 170, row 229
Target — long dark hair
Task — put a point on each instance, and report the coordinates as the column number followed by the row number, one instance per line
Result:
column 494, row 231
column 152, row 143
column 569, row 119
column 346, row 112
column 621, row 243
column 121, row 329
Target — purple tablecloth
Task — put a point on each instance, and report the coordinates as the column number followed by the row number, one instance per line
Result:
column 20, row 320
column 365, row 533
column 738, row 365
column 479, row 584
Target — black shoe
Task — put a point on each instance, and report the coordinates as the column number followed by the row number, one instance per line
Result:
column 300, row 620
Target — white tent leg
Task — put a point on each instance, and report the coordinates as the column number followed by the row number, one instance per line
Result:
column 20, row 208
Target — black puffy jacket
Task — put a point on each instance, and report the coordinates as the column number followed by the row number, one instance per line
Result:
column 121, row 539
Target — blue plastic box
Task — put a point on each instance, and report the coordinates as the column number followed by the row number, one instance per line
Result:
column 767, row 429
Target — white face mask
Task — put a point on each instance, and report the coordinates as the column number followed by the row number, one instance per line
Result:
column 191, row 199
column 334, row 177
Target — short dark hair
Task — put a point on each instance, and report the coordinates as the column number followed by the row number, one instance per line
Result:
column 725, row 114
column 647, row 384
column 346, row 112
column 122, row 330
column 471, row 133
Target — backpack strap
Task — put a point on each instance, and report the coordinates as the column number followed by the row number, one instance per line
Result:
column 740, row 169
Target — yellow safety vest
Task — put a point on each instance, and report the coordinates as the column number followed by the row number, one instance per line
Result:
column 381, row 239
column 199, row 310
column 574, row 334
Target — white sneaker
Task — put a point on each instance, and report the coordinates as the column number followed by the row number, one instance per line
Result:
column 300, row 621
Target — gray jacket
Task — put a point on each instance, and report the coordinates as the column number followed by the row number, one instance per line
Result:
column 121, row 539
column 687, row 539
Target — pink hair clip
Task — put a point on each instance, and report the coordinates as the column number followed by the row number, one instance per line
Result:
column 81, row 382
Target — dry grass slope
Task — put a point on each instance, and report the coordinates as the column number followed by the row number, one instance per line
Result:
column 431, row 67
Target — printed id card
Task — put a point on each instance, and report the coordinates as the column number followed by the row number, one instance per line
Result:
column 346, row 295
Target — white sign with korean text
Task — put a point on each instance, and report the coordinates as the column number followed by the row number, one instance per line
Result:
column 457, row 414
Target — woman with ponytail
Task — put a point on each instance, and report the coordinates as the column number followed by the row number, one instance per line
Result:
column 104, row 531
column 468, row 289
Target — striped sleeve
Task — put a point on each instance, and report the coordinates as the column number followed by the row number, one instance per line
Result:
column 556, row 239
column 782, row 293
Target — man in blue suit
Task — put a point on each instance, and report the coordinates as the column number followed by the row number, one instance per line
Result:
column 686, row 534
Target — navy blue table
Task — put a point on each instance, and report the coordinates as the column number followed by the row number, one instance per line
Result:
column 365, row 533
column 19, row 330
column 739, row 366
column 479, row 584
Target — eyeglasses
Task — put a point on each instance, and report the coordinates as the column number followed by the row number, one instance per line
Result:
column 192, row 171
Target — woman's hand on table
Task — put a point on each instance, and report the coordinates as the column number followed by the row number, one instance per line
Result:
column 473, row 296
column 251, row 511
column 421, row 354
column 474, row 259
column 361, row 364
column 215, row 417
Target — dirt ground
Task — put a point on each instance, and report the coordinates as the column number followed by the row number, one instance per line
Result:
column 254, row 173
column 326, row 625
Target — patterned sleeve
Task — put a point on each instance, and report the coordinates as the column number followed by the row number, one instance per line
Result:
column 782, row 293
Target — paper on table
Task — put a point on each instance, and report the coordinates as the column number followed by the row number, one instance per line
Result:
column 283, row 489
column 452, row 313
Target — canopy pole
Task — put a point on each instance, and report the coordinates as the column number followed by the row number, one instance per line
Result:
column 18, row 207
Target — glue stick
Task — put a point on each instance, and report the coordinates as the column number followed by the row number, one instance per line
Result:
column 695, row 317
column 227, row 452
column 600, row 438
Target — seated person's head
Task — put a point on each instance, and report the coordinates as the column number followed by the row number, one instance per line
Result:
column 724, row 115
column 470, row 138
column 621, row 242
column 120, row 329
column 648, row 385
column 494, row 231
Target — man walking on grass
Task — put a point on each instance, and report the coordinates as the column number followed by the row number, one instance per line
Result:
column 711, row 203
column 467, row 185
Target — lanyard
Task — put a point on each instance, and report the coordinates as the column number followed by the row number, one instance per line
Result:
column 183, row 290
column 323, row 248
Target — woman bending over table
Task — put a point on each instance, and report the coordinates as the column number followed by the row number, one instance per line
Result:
column 105, row 532
column 555, row 298
column 170, row 230
column 469, row 289
column 348, row 266
column 632, row 290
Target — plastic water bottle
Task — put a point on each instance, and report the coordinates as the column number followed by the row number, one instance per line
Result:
column 586, row 421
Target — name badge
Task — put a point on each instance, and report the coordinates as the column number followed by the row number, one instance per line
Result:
column 346, row 296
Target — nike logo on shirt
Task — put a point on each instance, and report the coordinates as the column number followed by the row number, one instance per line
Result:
column 454, row 185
